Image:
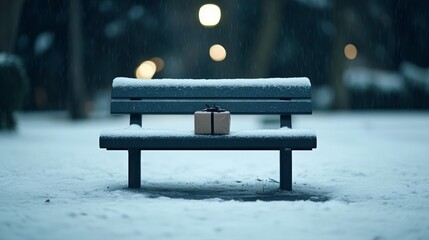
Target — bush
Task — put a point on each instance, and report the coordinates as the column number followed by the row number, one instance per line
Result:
column 13, row 86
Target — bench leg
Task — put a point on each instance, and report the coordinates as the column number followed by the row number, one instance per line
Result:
column 286, row 169
column 134, row 168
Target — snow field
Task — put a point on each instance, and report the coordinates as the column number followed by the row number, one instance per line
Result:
column 366, row 180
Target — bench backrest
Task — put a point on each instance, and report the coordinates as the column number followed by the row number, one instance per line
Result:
column 185, row 96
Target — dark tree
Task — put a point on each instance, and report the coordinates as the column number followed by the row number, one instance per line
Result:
column 13, row 78
column 77, row 93
column 10, row 12
column 13, row 81
column 266, row 39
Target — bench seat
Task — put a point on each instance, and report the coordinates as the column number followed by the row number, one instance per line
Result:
column 135, row 137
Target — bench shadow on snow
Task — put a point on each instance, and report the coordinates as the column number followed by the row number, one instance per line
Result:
column 239, row 191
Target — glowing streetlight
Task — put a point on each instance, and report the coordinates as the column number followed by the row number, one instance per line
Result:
column 217, row 52
column 209, row 15
column 146, row 70
column 350, row 51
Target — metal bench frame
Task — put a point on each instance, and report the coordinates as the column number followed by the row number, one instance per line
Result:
column 282, row 97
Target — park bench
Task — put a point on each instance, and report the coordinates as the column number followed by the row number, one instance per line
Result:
column 270, row 96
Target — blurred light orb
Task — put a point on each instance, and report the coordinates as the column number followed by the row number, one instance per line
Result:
column 350, row 51
column 159, row 63
column 146, row 70
column 209, row 15
column 217, row 52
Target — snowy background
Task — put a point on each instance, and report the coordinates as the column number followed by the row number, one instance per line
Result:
column 367, row 179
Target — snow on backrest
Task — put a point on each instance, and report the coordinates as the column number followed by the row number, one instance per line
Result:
column 282, row 96
column 263, row 88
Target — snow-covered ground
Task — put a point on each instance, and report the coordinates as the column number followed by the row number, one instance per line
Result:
column 368, row 179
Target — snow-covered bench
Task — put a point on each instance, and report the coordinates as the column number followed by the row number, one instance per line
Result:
column 279, row 96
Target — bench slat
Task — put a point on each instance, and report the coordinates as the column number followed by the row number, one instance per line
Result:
column 146, row 139
column 272, row 88
column 188, row 106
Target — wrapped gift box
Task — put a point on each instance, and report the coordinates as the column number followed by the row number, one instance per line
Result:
column 212, row 120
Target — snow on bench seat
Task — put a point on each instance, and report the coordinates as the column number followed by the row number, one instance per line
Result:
column 136, row 137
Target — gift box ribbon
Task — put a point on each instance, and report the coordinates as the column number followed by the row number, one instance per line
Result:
column 212, row 110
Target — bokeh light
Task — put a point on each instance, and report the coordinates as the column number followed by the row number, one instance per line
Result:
column 209, row 15
column 350, row 51
column 159, row 63
column 217, row 52
column 146, row 70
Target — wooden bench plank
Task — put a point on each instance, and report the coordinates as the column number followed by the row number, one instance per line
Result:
column 271, row 88
column 266, row 139
column 176, row 106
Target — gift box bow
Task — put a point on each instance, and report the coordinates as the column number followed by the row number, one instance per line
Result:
column 213, row 108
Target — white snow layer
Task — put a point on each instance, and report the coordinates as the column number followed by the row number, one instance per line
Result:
column 368, row 179
column 363, row 79
column 417, row 76
column 224, row 83
column 136, row 131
